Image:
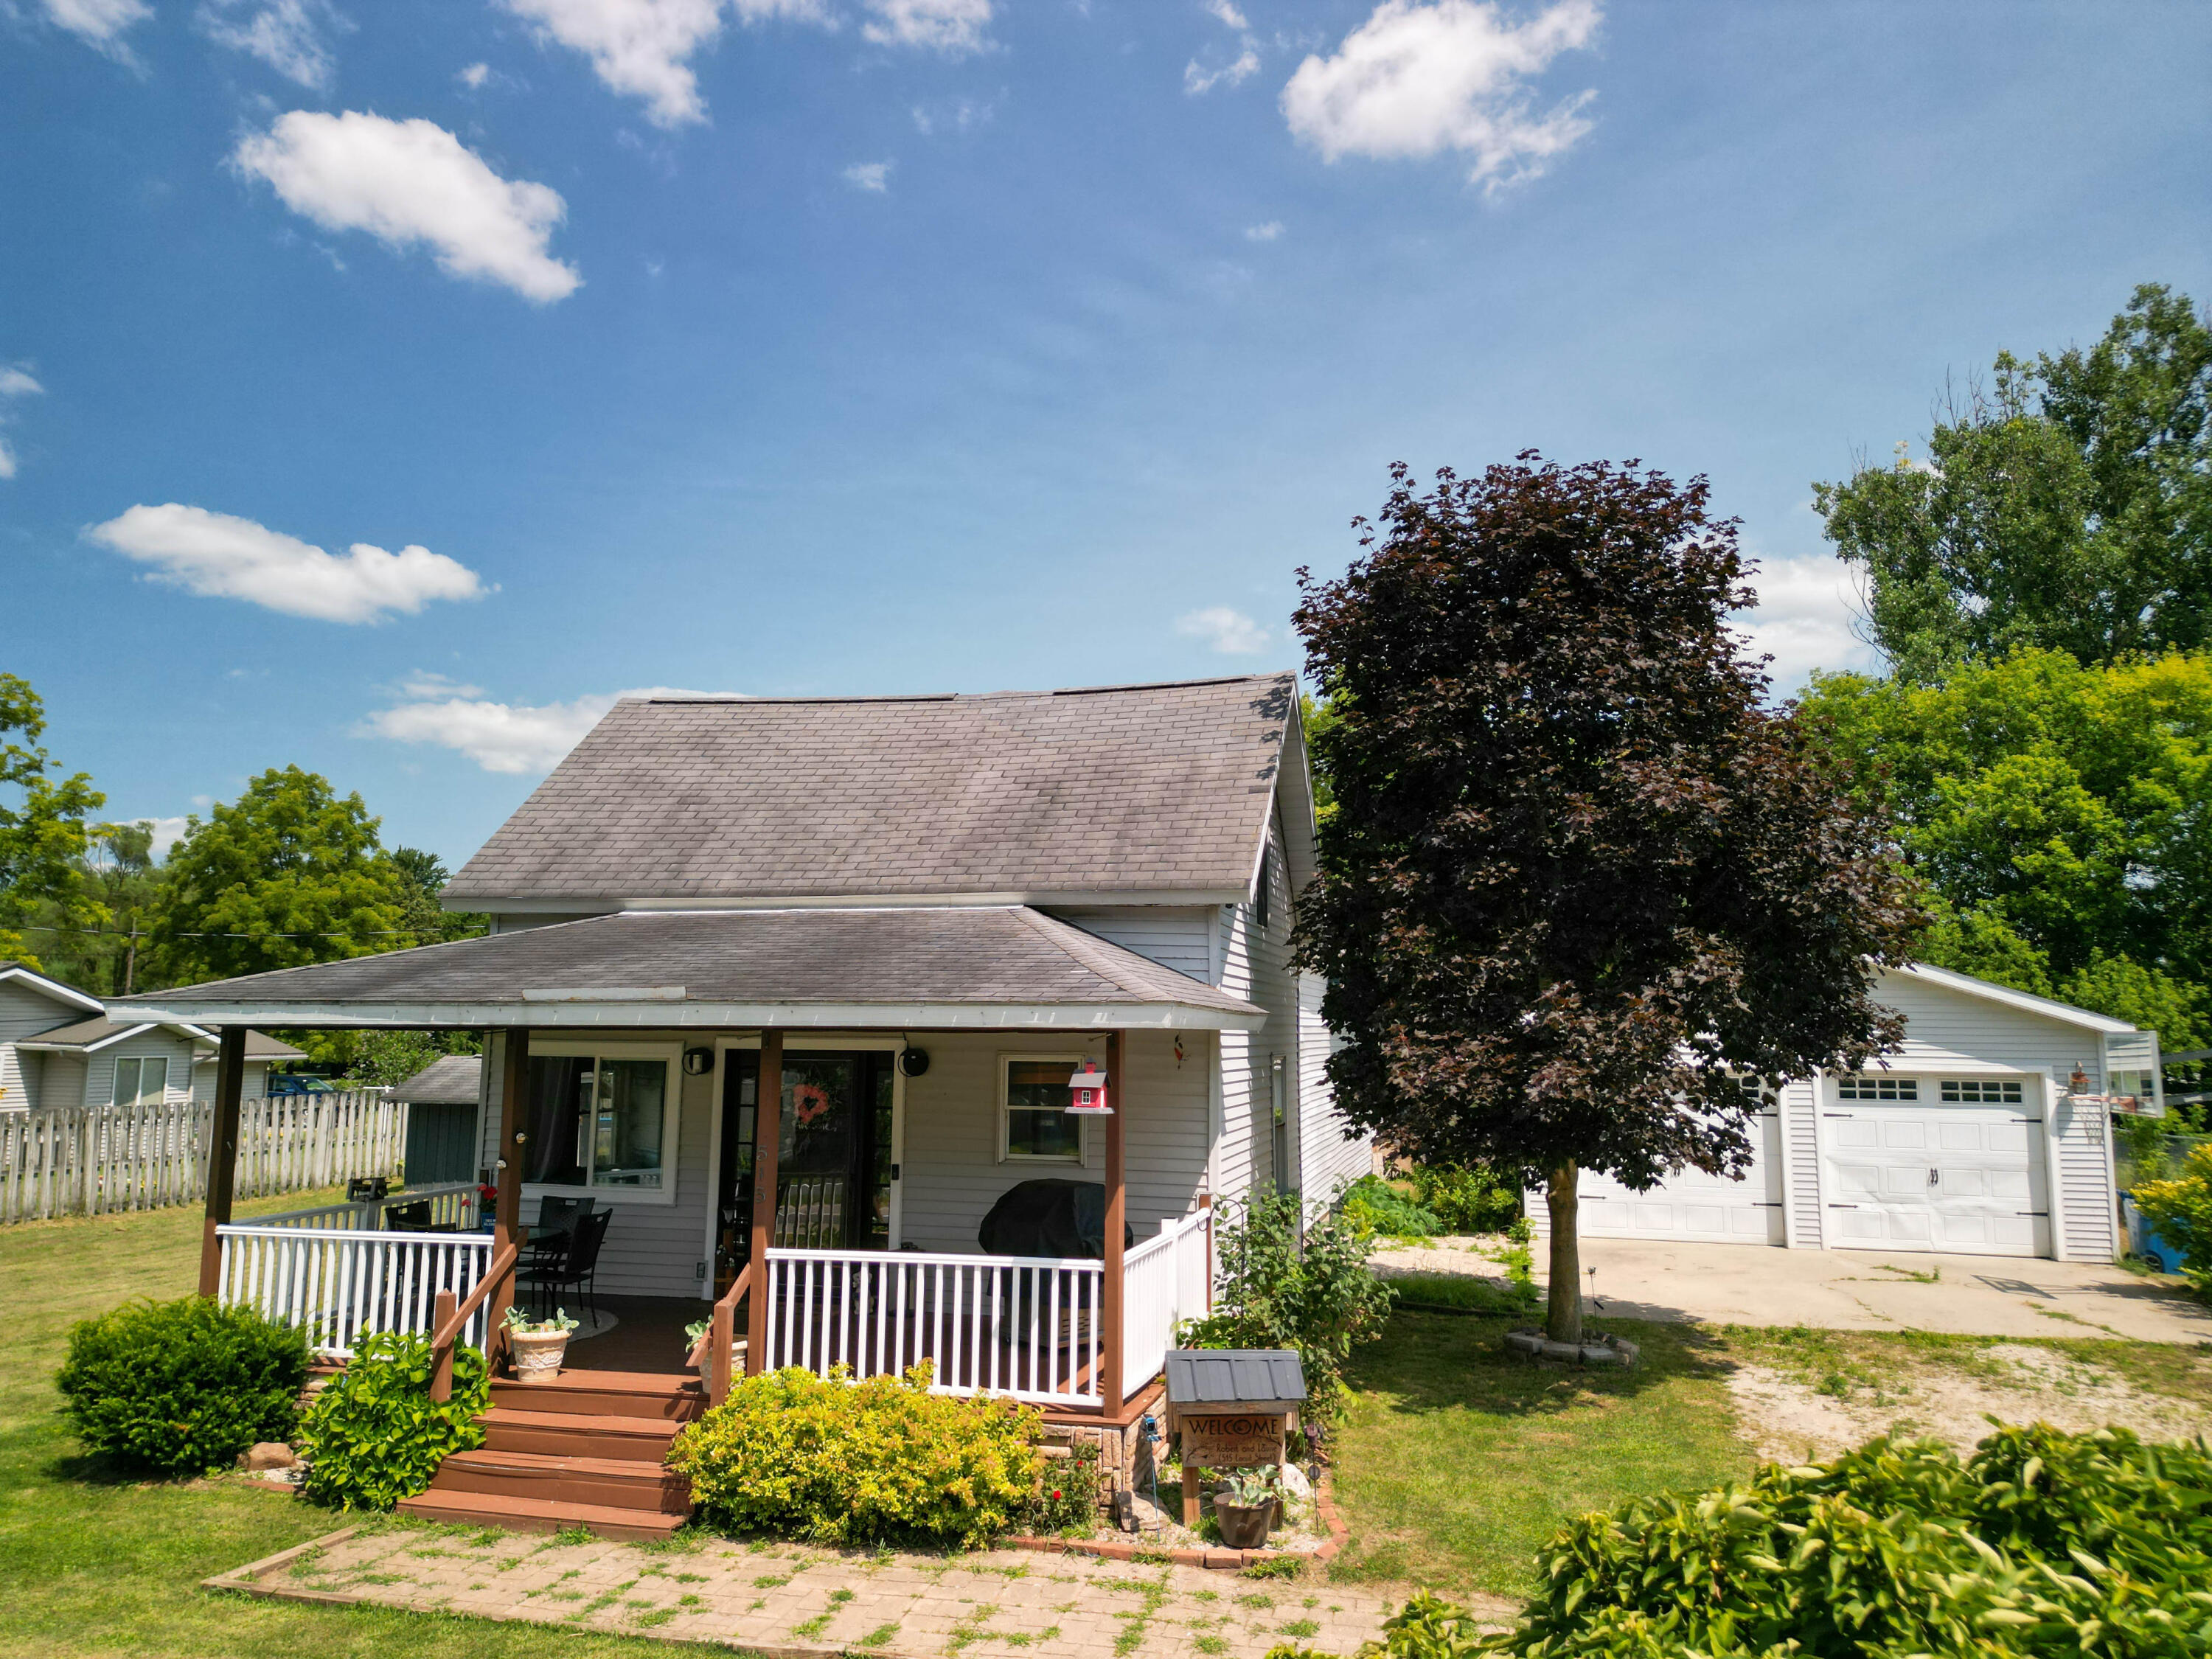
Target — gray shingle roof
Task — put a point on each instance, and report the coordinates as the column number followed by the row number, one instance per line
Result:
column 88, row 1033
column 1156, row 788
column 896, row 957
column 448, row 1080
column 1235, row 1376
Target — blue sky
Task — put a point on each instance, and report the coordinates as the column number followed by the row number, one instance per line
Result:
column 383, row 388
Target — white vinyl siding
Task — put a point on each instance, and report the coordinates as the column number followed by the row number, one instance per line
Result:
column 1800, row 1160
column 158, row 1044
column 1175, row 936
column 25, row 1012
column 1330, row 1160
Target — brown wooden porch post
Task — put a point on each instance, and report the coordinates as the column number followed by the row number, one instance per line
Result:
column 222, row 1151
column 768, row 1138
column 507, row 1207
column 1117, row 1211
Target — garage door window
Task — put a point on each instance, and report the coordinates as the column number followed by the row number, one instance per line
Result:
column 1878, row 1088
column 1970, row 1092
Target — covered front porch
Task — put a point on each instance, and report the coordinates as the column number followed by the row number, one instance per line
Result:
column 701, row 1041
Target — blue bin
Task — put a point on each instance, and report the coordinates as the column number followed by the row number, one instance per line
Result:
column 2144, row 1242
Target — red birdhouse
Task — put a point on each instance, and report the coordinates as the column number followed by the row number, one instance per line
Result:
column 1086, row 1092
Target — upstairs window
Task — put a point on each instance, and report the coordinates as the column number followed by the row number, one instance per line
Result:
column 1878, row 1088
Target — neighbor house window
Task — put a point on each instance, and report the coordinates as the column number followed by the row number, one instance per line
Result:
column 1878, row 1088
column 1969, row 1092
column 142, row 1082
column 1033, row 1119
column 603, row 1121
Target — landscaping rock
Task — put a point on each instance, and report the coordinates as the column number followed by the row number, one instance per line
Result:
column 1593, row 1350
column 269, row 1455
column 1528, row 1342
column 1295, row 1482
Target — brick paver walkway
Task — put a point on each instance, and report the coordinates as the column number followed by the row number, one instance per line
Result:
column 796, row 1598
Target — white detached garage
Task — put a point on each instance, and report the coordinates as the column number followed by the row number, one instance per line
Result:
column 1969, row 1139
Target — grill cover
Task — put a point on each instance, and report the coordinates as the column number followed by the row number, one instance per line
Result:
column 1049, row 1218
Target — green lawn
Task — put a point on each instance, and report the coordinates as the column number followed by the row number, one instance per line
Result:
column 90, row 1564
column 1456, row 1461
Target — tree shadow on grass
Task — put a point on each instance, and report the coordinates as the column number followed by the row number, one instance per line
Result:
column 1430, row 1362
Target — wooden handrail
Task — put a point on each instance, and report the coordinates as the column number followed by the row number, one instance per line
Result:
column 721, row 1336
column 452, row 1317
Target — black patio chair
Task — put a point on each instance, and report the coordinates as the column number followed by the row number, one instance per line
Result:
column 408, row 1218
column 577, row 1265
column 556, row 1223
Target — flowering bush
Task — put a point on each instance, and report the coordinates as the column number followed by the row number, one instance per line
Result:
column 832, row 1462
column 2181, row 1210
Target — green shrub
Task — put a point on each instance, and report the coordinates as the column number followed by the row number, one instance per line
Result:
column 2043, row 1544
column 1466, row 1197
column 182, row 1387
column 374, row 1436
column 830, row 1461
column 1067, row 1499
column 2181, row 1211
column 1285, row 1283
column 1375, row 1204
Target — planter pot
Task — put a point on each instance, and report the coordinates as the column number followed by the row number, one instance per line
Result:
column 538, row 1354
column 1244, row 1526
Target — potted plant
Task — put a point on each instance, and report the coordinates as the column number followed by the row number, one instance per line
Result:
column 538, row 1345
column 1245, row 1507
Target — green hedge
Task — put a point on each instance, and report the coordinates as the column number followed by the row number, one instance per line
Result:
column 2181, row 1211
column 374, row 1436
column 798, row 1455
column 181, row 1387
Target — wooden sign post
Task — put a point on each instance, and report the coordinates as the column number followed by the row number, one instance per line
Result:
column 1235, row 1439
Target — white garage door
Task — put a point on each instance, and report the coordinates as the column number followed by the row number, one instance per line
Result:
column 1693, row 1204
column 1937, row 1163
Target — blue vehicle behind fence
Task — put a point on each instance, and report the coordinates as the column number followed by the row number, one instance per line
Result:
column 2144, row 1242
column 298, row 1082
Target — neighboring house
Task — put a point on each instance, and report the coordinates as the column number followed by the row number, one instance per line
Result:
column 442, row 1133
column 1948, row 1144
column 58, row 1048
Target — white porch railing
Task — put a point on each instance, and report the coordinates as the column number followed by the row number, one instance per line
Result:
column 1027, row 1326
column 334, row 1272
column 1166, row 1278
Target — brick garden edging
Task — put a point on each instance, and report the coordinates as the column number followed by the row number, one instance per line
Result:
column 1224, row 1560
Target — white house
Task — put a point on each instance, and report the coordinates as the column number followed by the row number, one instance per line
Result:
column 58, row 1048
column 1971, row 1138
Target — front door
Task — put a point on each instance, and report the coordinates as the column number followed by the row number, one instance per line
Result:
column 833, row 1157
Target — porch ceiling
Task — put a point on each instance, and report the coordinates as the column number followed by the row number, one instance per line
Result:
column 1000, row 966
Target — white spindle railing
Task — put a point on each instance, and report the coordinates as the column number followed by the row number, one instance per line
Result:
column 1164, row 1280
column 340, row 1283
column 450, row 1207
column 1029, row 1327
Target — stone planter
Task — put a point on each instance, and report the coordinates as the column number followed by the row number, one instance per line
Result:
column 538, row 1354
column 1244, row 1526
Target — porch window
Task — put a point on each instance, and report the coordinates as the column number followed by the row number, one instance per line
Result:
column 142, row 1082
column 1033, row 1119
column 601, row 1120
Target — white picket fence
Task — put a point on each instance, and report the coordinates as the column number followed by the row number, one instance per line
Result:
column 96, row 1160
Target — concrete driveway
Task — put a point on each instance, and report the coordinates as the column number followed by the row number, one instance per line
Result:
column 1872, row 1290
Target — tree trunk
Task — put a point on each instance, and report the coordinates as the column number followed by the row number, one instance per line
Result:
column 1563, row 1316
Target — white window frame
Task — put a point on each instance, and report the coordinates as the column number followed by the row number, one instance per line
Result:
column 1848, row 1086
column 672, row 1117
column 137, row 1064
column 1005, row 1062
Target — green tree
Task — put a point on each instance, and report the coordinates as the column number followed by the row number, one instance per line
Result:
column 2069, row 507
column 121, row 875
column 42, row 829
column 1580, row 878
column 2061, row 814
column 426, row 876
column 290, row 873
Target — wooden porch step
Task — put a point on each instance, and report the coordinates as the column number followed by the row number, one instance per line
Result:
column 667, row 1396
column 540, row 1514
column 607, row 1482
column 575, row 1434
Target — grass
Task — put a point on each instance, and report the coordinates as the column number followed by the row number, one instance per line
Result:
column 1457, row 1460
column 98, row 1563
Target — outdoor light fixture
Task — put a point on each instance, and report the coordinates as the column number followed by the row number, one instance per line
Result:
column 1086, row 1092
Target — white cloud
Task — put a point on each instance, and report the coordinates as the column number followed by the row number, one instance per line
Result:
column 99, row 23
column 288, row 35
column 955, row 115
column 17, row 381
column 1227, row 13
column 221, row 556
column 951, row 26
column 1417, row 78
column 406, row 182
column 1266, row 233
column 642, row 48
column 475, row 75
column 7, row 460
column 500, row 737
column 869, row 175
column 167, row 831
column 1804, row 618
column 1230, row 632
column 1196, row 80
